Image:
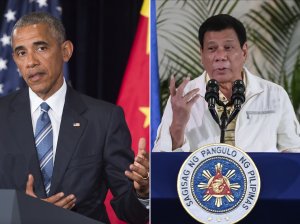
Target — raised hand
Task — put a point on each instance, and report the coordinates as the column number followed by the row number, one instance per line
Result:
column 181, row 106
column 139, row 170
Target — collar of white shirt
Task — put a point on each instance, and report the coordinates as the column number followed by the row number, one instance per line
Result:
column 56, row 101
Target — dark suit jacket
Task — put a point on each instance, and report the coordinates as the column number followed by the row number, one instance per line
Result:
column 89, row 159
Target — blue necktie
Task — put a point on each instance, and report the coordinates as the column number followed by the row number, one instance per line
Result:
column 44, row 145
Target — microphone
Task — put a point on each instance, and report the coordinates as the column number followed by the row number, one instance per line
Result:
column 238, row 94
column 237, row 98
column 212, row 93
column 211, row 97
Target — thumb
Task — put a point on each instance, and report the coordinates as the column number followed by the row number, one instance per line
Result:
column 29, row 186
column 142, row 146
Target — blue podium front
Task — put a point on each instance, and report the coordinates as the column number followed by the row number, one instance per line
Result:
column 279, row 200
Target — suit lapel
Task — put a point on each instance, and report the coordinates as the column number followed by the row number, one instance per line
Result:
column 20, row 121
column 71, row 129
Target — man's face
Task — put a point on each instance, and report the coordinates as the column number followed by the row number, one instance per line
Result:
column 40, row 57
column 222, row 56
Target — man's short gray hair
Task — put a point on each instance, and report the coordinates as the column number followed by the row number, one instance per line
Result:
column 55, row 25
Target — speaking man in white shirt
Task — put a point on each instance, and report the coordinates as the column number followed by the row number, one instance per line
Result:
column 266, row 121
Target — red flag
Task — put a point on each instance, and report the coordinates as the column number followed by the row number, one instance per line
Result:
column 134, row 93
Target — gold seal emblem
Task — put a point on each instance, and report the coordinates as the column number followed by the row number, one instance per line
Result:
column 219, row 186
column 218, row 183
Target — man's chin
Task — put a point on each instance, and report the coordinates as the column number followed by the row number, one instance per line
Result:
column 222, row 77
column 38, row 89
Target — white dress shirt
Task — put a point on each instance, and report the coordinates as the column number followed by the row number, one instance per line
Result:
column 56, row 103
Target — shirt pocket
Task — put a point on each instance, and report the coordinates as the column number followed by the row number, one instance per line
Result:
column 261, row 113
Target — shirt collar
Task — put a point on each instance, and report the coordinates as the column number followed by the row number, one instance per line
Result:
column 56, row 101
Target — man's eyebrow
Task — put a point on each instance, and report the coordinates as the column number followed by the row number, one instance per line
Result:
column 230, row 40
column 18, row 48
column 37, row 43
column 226, row 41
column 40, row 43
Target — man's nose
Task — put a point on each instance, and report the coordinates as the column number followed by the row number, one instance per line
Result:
column 220, row 55
column 32, row 60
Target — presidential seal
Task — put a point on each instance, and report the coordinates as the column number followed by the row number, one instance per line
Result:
column 218, row 183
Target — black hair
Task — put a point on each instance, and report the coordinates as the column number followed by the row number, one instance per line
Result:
column 221, row 22
column 54, row 23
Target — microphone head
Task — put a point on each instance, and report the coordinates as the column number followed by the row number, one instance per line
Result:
column 238, row 91
column 212, row 90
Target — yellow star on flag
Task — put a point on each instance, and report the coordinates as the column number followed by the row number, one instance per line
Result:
column 146, row 112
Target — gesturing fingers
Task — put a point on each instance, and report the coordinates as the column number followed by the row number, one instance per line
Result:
column 179, row 91
column 182, row 86
column 193, row 99
column 142, row 161
column 172, row 86
column 141, row 171
column 70, row 204
column 67, row 202
column 191, row 95
column 141, row 184
column 55, row 198
column 60, row 200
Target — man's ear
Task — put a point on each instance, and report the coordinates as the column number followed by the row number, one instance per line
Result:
column 245, row 50
column 67, row 50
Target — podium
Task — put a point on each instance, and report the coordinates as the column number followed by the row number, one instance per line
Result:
column 279, row 199
column 18, row 208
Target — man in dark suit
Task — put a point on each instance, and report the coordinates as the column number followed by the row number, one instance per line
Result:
column 83, row 147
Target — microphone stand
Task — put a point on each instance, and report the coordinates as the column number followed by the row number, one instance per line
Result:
column 223, row 124
column 225, row 120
